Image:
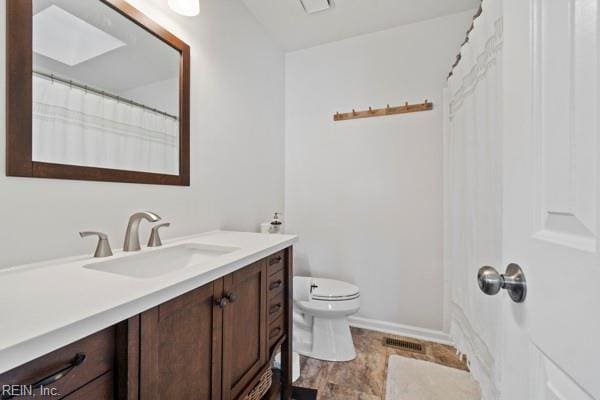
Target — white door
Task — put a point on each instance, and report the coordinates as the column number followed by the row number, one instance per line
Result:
column 551, row 201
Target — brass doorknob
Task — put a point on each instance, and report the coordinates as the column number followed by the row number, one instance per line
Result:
column 490, row 282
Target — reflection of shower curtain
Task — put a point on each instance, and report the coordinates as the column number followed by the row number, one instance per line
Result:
column 72, row 126
column 473, row 196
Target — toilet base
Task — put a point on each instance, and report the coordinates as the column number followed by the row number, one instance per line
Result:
column 327, row 339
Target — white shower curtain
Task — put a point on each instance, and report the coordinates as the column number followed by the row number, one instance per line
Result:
column 78, row 127
column 473, row 196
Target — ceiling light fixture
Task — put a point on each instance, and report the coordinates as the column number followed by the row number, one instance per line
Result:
column 188, row 8
column 314, row 6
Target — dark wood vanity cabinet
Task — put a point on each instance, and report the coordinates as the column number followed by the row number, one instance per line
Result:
column 216, row 341
column 180, row 348
column 212, row 343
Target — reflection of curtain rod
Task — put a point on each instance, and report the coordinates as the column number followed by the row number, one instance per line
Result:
column 459, row 55
column 102, row 93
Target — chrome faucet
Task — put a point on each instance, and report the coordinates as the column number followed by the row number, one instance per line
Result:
column 132, row 236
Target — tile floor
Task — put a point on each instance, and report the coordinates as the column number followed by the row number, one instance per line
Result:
column 364, row 378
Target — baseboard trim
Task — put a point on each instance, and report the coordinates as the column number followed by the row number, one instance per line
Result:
column 401, row 330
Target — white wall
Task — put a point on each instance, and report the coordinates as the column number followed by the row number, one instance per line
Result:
column 237, row 143
column 366, row 195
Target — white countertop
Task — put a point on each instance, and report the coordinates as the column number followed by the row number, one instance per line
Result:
column 48, row 305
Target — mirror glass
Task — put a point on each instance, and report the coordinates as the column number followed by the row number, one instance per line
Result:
column 105, row 93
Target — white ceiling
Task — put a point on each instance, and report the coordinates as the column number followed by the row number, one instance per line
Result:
column 294, row 29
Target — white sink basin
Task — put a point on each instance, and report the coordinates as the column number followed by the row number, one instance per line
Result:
column 153, row 263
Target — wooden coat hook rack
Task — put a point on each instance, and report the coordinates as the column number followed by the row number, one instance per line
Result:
column 380, row 112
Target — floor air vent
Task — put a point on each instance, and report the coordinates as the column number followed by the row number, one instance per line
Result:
column 403, row 344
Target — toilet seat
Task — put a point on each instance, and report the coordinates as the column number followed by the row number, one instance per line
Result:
column 330, row 309
column 336, row 298
column 330, row 298
column 333, row 290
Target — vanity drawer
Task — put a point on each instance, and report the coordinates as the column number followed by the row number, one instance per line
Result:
column 275, row 284
column 275, row 330
column 275, row 262
column 101, row 388
column 70, row 367
column 275, row 307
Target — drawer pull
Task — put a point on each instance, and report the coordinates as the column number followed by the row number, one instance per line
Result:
column 274, row 308
column 55, row 377
column 275, row 285
column 274, row 332
column 275, row 260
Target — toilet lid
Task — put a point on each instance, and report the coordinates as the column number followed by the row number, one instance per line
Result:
column 331, row 290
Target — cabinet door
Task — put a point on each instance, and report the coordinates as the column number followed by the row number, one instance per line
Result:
column 244, row 328
column 180, row 347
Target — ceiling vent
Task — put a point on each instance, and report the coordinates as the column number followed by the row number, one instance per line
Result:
column 315, row 6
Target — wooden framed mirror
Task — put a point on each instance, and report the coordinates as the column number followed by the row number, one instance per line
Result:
column 95, row 91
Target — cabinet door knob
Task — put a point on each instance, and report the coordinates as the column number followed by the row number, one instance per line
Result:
column 222, row 302
column 232, row 297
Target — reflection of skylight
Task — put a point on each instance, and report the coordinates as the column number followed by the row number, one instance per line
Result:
column 314, row 6
column 68, row 39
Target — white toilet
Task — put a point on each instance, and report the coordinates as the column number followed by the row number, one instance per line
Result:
column 321, row 311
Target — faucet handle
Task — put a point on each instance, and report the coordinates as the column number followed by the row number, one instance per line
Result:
column 103, row 248
column 154, row 235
